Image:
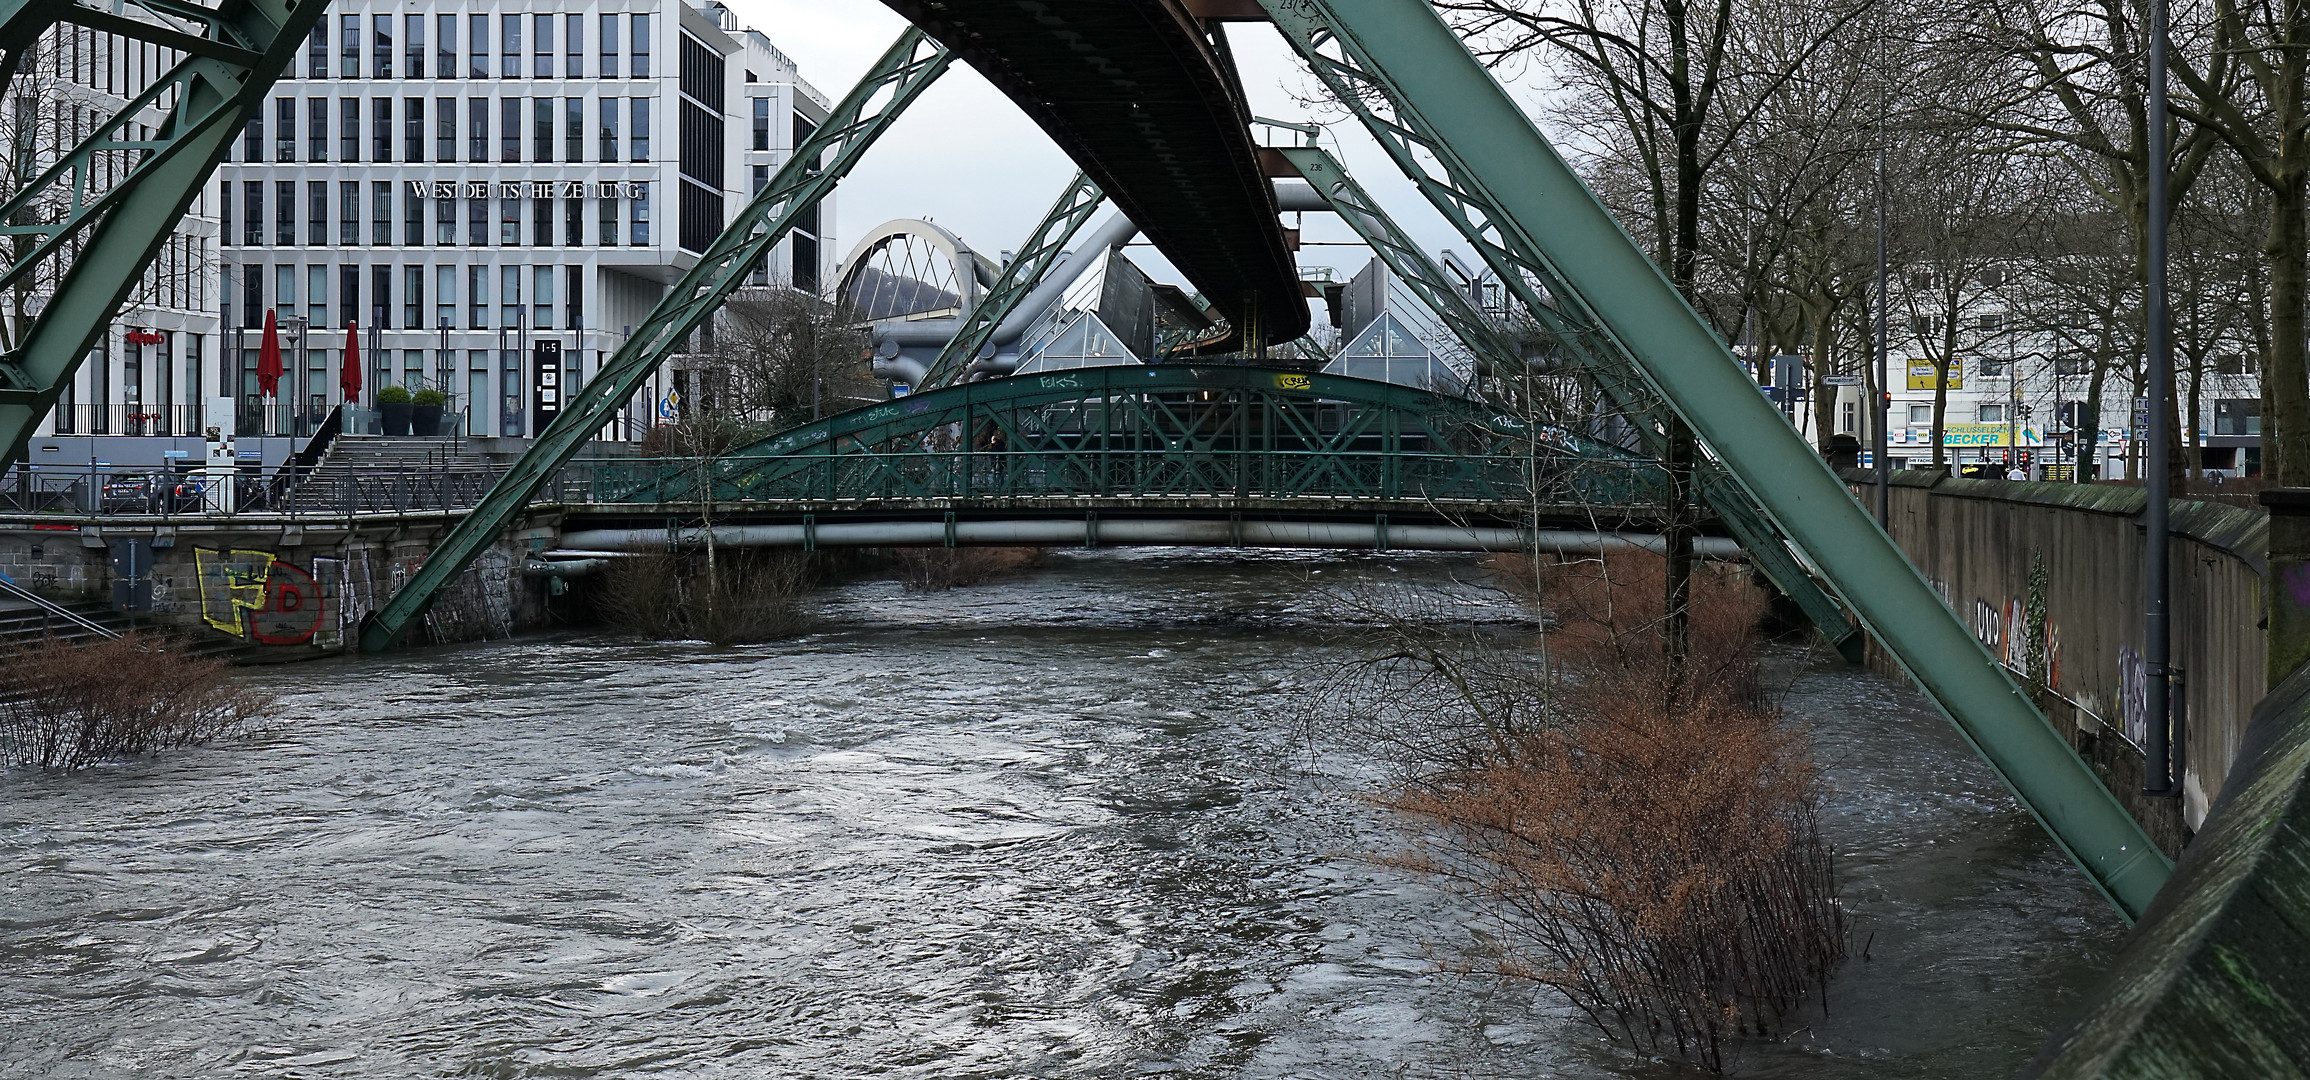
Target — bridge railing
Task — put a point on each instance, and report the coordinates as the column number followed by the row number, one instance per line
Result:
column 1554, row 480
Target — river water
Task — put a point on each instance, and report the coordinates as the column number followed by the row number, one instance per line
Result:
column 1054, row 826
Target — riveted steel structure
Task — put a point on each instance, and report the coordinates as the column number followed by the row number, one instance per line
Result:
column 97, row 214
column 907, row 68
column 1017, row 280
column 1498, row 179
column 1172, row 431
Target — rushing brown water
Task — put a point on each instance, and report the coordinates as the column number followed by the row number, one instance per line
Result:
column 1056, row 826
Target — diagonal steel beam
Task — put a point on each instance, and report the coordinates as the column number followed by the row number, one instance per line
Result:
column 1497, row 161
column 111, row 234
column 1019, row 277
column 1535, row 284
column 911, row 64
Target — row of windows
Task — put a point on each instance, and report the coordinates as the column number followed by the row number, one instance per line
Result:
column 525, row 297
column 504, row 221
column 548, row 129
column 101, row 61
column 556, row 47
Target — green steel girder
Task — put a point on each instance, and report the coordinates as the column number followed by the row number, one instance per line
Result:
column 1402, row 52
column 1562, row 316
column 910, row 65
column 111, row 233
column 1019, row 277
column 1163, row 430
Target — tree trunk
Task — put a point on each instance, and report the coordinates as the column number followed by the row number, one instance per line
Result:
column 2089, row 424
column 1824, row 413
column 1675, row 620
column 2286, row 452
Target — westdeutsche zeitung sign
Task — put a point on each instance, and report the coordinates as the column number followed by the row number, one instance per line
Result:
column 525, row 189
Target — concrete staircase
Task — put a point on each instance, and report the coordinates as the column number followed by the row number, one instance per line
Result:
column 374, row 454
column 24, row 624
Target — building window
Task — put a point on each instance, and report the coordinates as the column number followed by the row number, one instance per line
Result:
column 1990, row 323
column 609, row 236
column 445, row 129
column 509, row 295
column 381, row 212
column 381, row 45
column 284, row 212
column 316, row 299
column 2238, row 416
column 641, row 51
column 509, row 47
column 638, row 133
column 509, row 221
column 1992, row 414
column 576, row 278
column 477, row 48
column 445, row 46
column 541, row 297
column 641, row 201
column 610, row 109
column 2070, row 365
column 317, row 50
column 317, row 129
column 225, row 213
column 252, row 296
column 573, row 47
column 317, row 212
column 1992, row 367
column 413, row 129
column 412, row 217
column 445, row 295
column 349, row 45
column 573, row 121
column 477, row 297
column 413, row 44
column 541, row 229
column 541, row 114
column 761, row 123
column 445, row 221
column 477, row 221
column 576, row 222
column 541, row 59
column 381, row 296
column 349, row 212
column 1921, row 415
column 477, row 129
column 381, row 129
column 609, row 43
column 253, row 212
column 349, row 128
column 252, row 136
column 285, row 143
column 509, row 131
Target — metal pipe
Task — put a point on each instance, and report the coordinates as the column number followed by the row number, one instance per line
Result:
column 1150, row 532
column 565, row 568
column 2158, row 778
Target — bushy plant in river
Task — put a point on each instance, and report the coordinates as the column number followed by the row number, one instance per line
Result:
column 65, row 706
column 1643, row 835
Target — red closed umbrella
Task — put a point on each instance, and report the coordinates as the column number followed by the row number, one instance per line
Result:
column 269, row 358
column 349, row 380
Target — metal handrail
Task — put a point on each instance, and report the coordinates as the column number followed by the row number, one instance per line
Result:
column 53, row 608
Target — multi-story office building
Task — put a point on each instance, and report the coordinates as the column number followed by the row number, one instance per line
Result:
column 469, row 179
column 154, row 369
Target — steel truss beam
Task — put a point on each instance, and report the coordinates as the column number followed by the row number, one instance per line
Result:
column 108, row 225
column 1539, row 221
column 1527, row 278
column 911, row 64
column 1019, row 277
column 1156, row 430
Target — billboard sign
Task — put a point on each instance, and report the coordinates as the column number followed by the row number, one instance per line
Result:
column 545, row 381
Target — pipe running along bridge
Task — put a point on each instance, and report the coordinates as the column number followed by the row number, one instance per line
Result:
column 1144, row 96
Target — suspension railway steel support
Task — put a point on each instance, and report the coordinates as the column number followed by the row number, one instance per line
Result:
column 1613, row 374
column 109, row 225
column 911, row 64
column 1501, row 167
column 1018, row 278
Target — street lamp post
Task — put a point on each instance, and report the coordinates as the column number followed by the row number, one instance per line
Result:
column 2159, row 777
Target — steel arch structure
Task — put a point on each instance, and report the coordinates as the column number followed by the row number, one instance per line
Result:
column 972, row 272
column 1172, row 431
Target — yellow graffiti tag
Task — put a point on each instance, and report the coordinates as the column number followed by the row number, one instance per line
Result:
column 231, row 583
column 1291, row 382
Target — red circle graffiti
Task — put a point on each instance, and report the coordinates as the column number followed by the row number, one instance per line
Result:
column 290, row 594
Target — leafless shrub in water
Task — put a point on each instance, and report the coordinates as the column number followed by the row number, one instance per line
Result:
column 739, row 594
column 67, row 707
column 1646, row 842
column 938, row 569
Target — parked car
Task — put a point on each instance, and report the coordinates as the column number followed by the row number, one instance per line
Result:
column 129, row 493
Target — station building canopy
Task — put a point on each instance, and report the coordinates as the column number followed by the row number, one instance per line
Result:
column 1386, row 351
column 1085, row 341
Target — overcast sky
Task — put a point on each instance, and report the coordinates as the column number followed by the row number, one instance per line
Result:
column 965, row 157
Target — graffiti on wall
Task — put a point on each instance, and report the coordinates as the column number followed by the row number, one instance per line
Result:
column 254, row 594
